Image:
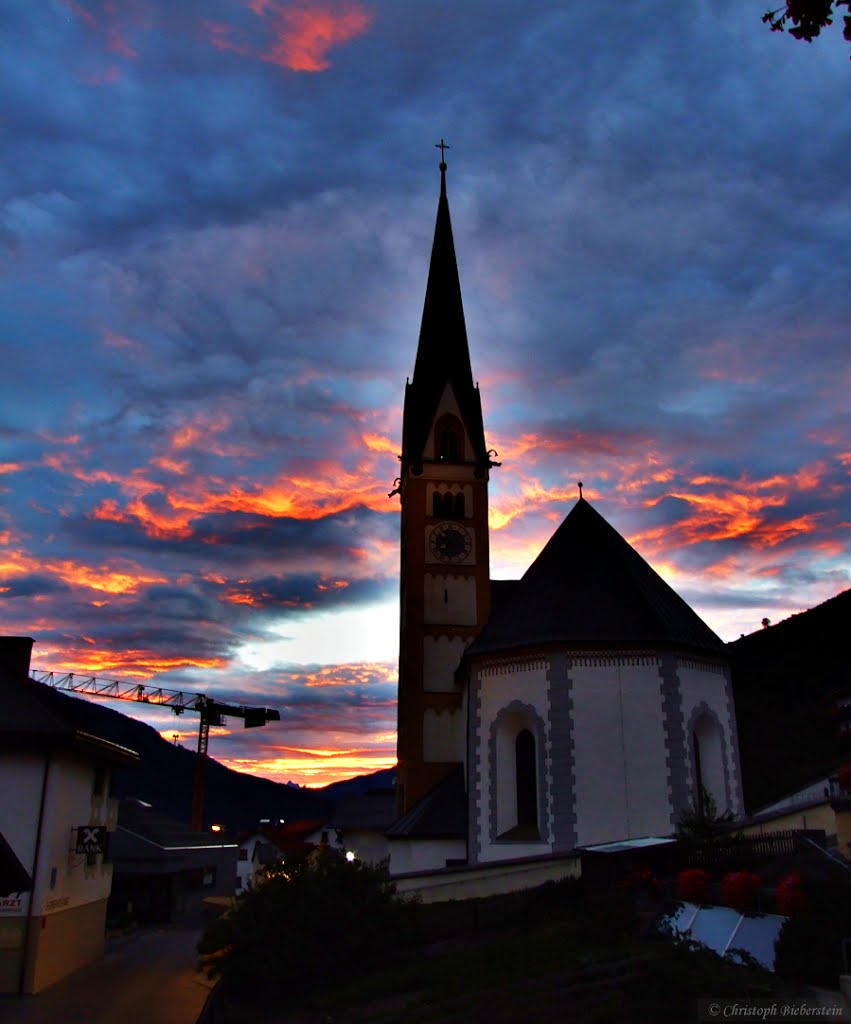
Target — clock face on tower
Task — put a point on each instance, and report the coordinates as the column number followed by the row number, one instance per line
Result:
column 450, row 542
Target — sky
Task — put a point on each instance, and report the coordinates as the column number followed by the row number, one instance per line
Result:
column 215, row 227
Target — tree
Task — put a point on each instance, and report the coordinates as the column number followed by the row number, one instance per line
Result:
column 806, row 18
column 309, row 923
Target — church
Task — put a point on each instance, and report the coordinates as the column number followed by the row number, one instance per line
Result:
column 585, row 703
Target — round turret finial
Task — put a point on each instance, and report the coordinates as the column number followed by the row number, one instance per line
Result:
column 442, row 146
column 579, row 485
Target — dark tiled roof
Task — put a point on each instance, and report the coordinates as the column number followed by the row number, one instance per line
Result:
column 366, row 810
column 441, row 814
column 442, row 353
column 140, row 819
column 289, row 836
column 589, row 589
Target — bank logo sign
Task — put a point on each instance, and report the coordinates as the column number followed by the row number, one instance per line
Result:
column 91, row 838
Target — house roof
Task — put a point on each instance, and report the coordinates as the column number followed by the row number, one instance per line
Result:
column 589, row 589
column 143, row 821
column 440, row 814
column 291, row 836
column 34, row 716
column 372, row 810
column 443, row 355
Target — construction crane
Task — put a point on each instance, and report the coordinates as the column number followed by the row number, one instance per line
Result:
column 211, row 712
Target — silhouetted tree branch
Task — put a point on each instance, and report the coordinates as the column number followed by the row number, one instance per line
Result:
column 806, row 18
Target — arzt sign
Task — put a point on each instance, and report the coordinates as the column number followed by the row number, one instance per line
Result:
column 91, row 838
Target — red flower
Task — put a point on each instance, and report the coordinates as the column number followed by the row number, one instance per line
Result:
column 791, row 898
column 693, row 885
column 843, row 777
column 739, row 889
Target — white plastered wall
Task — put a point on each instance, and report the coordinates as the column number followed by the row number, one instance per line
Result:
column 707, row 685
column 424, row 854
column 526, row 683
column 69, row 802
column 619, row 746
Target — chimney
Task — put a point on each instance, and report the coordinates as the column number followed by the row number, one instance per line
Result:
column 15, row 652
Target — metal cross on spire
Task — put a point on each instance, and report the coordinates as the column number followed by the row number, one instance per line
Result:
column 441, row 146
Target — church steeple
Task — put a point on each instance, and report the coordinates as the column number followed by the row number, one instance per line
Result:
column 443, row 488
column 443, row 355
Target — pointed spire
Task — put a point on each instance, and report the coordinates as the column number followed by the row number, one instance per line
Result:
column 443, row 355
column 443, row 351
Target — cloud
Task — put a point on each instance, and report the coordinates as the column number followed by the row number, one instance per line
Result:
column 215, row 228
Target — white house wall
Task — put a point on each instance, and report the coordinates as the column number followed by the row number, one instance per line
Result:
column 619, row 744
column 70, row 895
column 499, row 689
column 705, row 688
column 408, row 855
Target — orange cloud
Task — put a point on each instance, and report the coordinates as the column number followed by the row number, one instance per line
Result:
column 120, row 578
column 378, row 443
column 730, row 509
column 170, row 465
column 137, row 664
column 333, row 585
column 360, row 674
column 316, row 767
column 305, row 34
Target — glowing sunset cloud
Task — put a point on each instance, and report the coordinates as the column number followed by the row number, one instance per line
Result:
column 119, row 578
column 135, row 664
column 316, row 768
column 379, row 443
column 213, row 274
column 305, row 34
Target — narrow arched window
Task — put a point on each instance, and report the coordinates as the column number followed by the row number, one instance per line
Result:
column 437, row 504
column 700, row 791
column 459, row 505
column 710, row 797
column 449, row 439
column 527, row 782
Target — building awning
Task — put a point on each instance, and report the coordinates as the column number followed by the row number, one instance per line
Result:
column 13, row 874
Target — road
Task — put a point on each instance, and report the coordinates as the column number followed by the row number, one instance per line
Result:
column 147, row 977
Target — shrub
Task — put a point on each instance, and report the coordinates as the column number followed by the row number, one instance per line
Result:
column 809, row 947
column 739, row 890
column 693, row 886
column 310, row 923
column 791, row 898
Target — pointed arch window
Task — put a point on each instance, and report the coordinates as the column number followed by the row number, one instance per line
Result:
column 707, row 748
column 527, row 783
column 449, row 439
